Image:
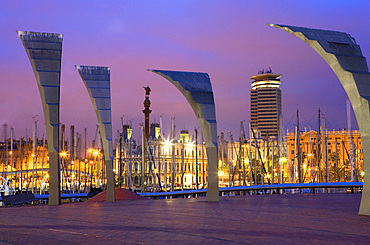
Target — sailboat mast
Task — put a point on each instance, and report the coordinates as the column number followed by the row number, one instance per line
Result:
column 86, row 170
column 241, row 152
column 173, row 153
column 5, row 153
column 63, row 172
column 299, row 150
column 250, row 156
column 43, row 158
column 98, row 158
column 20, row 164
column 295, row 154
column 336, row 160
column 164, row 160
column 325, row 147
column 203, row 167
column 71, row 156
column 229, row 151
column 350, row 142
column 79, row 161
column 272, row 162
column 312, row 172
column 130, row 152
column 255, row 156
column 318, row 147
column 182, row 163
column 142, row 156
column 11, row 150
column 34, row 153
column 27, row 163
column 196, row 157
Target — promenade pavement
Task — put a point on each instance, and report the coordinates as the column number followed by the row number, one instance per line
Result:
column 265, row 219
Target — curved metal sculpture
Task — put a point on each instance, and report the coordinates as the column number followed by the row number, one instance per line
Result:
column 97, row 82
column 197, row 89
column 344, row 56
column 45, row 53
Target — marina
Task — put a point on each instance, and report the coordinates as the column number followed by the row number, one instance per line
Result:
column 184, row 122
column 177, row 165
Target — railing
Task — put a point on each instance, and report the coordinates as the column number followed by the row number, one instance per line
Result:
column 259, row 189
column 62, row 196
column 236, row 190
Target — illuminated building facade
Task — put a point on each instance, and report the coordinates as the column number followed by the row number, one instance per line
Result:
column 332, row 150
column 266, row 104
column 173, row 163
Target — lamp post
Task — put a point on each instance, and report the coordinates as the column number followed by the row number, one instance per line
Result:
column 196, row 158
column 63, row 155
column 167, row 145
column 189, row 148
column 93, row 156
column 182, row 164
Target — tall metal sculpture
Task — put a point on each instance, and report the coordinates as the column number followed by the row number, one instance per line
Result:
column 45, row 53
column 345, row 58
column 197, row 89
column 97, row 82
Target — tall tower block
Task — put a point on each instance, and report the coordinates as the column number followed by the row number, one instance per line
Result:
column 266, row 111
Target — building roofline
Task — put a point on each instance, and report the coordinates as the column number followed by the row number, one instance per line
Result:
column 266, row 75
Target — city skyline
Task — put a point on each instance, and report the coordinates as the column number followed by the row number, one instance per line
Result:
column 229, row 41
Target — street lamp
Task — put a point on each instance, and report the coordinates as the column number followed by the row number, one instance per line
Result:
column 94, row 153
column 167, row 145
column 63, row 155
column 189, row 147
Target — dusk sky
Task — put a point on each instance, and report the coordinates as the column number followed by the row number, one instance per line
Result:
column 226, row 39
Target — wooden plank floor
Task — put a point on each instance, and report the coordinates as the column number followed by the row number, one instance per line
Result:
column 268, row 219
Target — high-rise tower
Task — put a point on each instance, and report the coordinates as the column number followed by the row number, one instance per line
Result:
column 266, row 104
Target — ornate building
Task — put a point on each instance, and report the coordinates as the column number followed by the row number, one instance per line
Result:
column 327, row 157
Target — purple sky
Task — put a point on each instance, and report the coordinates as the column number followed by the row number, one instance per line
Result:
column 226, row 39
